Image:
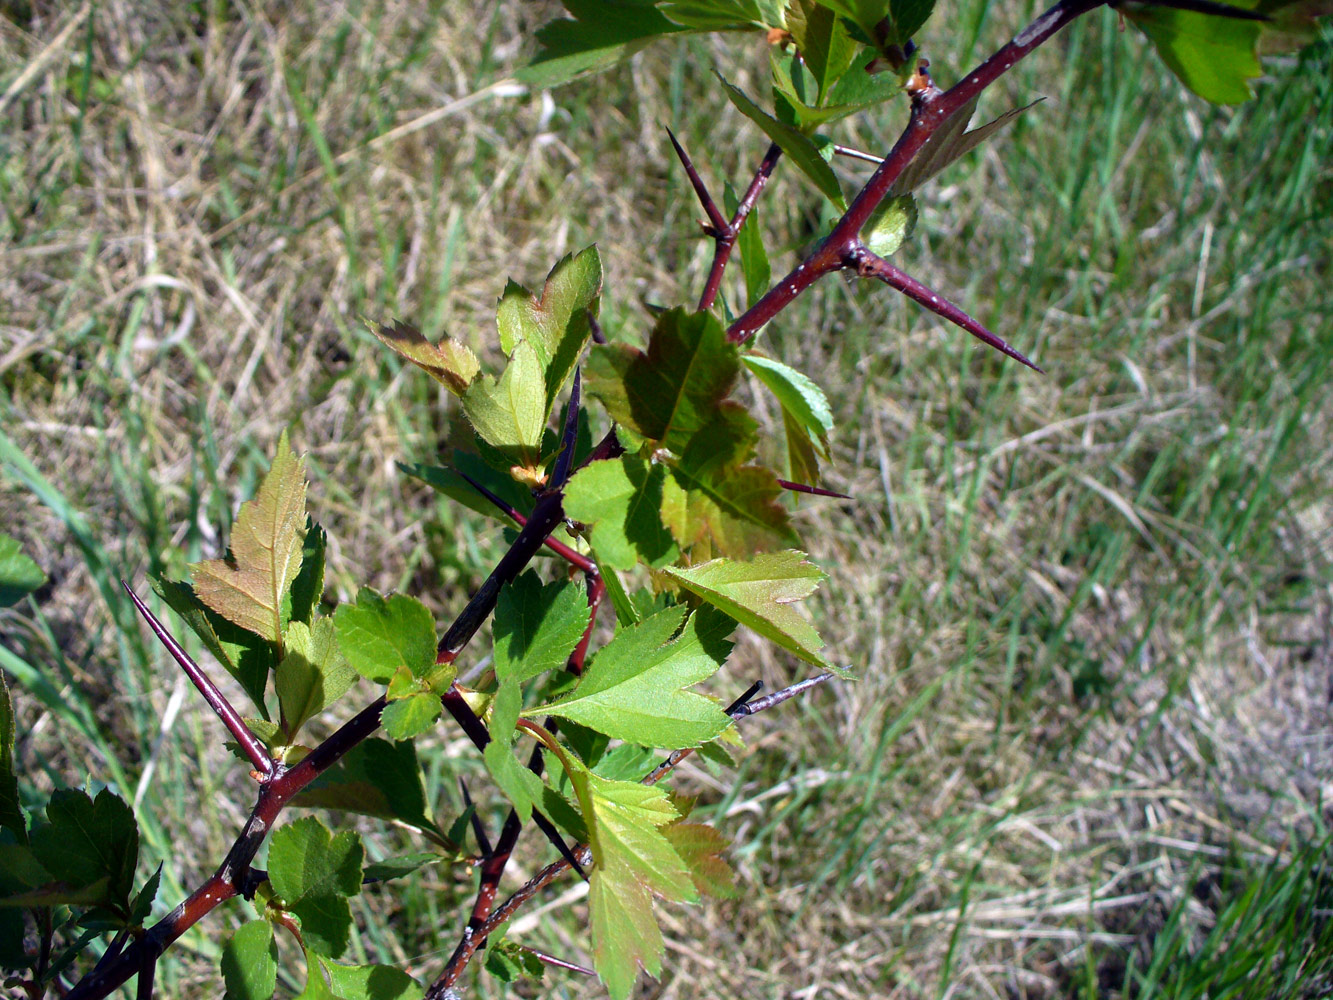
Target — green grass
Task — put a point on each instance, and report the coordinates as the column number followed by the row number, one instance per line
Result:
column 1089, row 611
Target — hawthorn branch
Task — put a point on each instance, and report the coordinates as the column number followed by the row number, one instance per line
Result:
column 930, row 109
column 724, row 236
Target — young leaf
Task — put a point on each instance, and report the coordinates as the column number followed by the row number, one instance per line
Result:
column 19, row 575
column 671, row 391
column 795, row 143
column 537, row 627
column 890, row 224
column 556, row 325
column 760, row 593
column 314, row 872
column 90, row 842
column 308, row 587
column 11, row 812
column 521, row 787
column 825, row 47
column 797, row 393
column 247, row 657
column 888, row 22
column 601, row 34
column 266, row 543
column 379, row 636
column 377, row 778
column 312, row 675
column 449, row 362
column 250, row 962
column 701, row 847
column 634, row 687
column 411, row 715
column 510, row 414
column 372, row 982
column 622, row 499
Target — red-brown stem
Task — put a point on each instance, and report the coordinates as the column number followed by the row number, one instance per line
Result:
column 217, row 701
column 724, row 238
column 929, row 111
column 492, row 868
column 575, row 559
column 870, row 265
column 818, row 491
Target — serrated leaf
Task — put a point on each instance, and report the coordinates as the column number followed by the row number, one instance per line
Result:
column 723, row 15
column 449, row 362
column 761, row 593
column 890, row 224
column 142, row 904
column 795, row 143
column 669, row 392
column 600, row 35
column 377, row 778
column 266, row 543
column 711, row 498
column 1214, row 56
column 893, row 21
column 621, row 498
column 372, row 982
column 701, row 847
column 797, row 393
column 379, row 636
column 633, row 689
column 949, row 142
column 825, row 46
column 537, row 627
column 19, row 575
column 308, row 587
column 405, row 718
column 314, row 872
column 556, row 325
column 250, row 962
column 12, row 817
column 510, row 413
column 243, row 654
column 89, row 841
column 312, row 675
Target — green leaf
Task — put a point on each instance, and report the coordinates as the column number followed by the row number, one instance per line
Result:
column 761, row 593
column 901, row 18
column 380, row 636
column 142, row 905
column 250, row 962
column 510, row 414
column 710, row 496
column 88, row 841
column 377, row 778
column 701, row 847
column 825, row 47
column 537, row 627
column 556, row 325
column 12, row 817
column 508, row 962
column 266, row 544
column 19, row 575
column 890, row 224
column 312, row 675
column 802, row 453
column 412, row 715
column 601, row 34
column 797, row 393
column 1214, row 56
column 399, row 866
column 633, row 689
column 949, row 142
column 723, row 15
column 519, row 784
column 372, row 982
column 795, row 143
column 449, row 362
column 308, row 587
column 675, row 388
column 243, row 654
column 622, row 499
column 313, row 872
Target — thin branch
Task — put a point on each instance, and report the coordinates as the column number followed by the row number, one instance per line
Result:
column 565, row 459
column 576, row 559
column 217, row 701
column 478, row 830
column 870, row 265
column 724, row 239
column 930, row 109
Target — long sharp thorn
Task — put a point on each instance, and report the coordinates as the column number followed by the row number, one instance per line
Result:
column 777, row 697
column 565, row 460
column 215, row 698
column 741, row 706
column 553, row 835
column 576, row 559
column 559, row 963
column 872, row 266
column 715, row 217
column 818, row 491
column 478, row 831
column 1212, row 7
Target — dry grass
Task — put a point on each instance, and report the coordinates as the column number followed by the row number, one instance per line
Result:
column 1090, row 612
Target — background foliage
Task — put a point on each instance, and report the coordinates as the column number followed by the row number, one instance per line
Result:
column 1089, row 611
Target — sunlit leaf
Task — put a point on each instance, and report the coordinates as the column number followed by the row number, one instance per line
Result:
column 312, row 674
column 510, row 413
column 19, row 575
column 701, row 847
column 250, row 962
column 449, row 362
column 621, row 499
column 372, row 982
column 379, row 636
column 411, row 715
column 314, row 872
column 266, row 543
column 825, row 47
column 536, row 626
column 890, row 224
column 796, row 392
column 308, row 587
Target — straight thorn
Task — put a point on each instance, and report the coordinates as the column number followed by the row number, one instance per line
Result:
column 478, row 831
column 716, row 220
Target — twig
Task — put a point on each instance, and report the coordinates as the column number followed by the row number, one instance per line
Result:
column 565, row 460
column 217, row 701
column 724, row 238
column 574, row 558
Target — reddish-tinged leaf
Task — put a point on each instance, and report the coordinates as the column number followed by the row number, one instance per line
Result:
column 701, row 846
column 449, row 362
